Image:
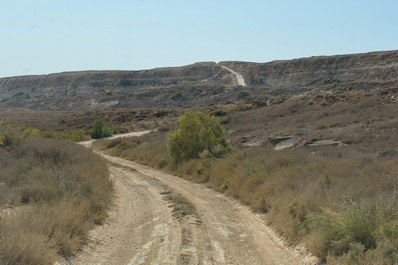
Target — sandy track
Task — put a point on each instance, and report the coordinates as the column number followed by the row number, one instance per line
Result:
column 239, row 78
column 141, row 228
column 130, row 134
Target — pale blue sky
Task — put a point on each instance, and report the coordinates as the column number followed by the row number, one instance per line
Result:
column 45, row 36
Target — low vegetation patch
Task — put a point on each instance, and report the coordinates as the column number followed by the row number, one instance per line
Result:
column 181, row 206
column 345, row 208
column 11, row 133
column 58, row 191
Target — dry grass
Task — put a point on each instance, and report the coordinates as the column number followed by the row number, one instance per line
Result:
column 181, row 206
column 59, row 190
column 149, row 149
column 12, row 132
column 367, row 123
column 345, row 206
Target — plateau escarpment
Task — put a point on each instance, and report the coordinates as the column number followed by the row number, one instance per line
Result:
column 367, row 71
column 202, row 84
column 103, row 89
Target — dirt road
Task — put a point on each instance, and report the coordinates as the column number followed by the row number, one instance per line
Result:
column 142, row 228
column 239, row 78
column 130, row 134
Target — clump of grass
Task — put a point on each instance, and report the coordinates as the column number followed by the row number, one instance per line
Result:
column 149, row 149
column 355, row 236
column 60, row 190
column 181, row 206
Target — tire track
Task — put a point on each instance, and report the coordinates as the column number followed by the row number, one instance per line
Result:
column 143, row 227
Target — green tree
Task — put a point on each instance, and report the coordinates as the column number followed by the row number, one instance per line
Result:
column 100, row 130
column 196, row 133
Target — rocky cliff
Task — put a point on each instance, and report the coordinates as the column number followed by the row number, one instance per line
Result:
column 200, row 84
column 367, row 71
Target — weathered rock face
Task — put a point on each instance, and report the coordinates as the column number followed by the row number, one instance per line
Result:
column 343, row 72
column 200, row 84
column 170, row 87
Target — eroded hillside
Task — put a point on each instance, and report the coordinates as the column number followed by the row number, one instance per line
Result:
column 367, row 71
column 171, row 87
column 202, row 84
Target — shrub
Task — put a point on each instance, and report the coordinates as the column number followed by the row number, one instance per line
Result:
column 222, row 112
column 99, row 130
column 7, row 137
column 219, row 113
column 162, row 163
column 196, row 133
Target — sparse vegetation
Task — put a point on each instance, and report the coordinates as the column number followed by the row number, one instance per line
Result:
column 58, row 191
column 181, row 206
column 223, row 112
column 147, row 149
column 177, row 96
column 341, row 203
column 308, row 197
column 11, row 133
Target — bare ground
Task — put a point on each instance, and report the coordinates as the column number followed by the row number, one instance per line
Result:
column 142, row 228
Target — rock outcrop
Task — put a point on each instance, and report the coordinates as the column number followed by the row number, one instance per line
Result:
column 367, row 71
column 203, row 84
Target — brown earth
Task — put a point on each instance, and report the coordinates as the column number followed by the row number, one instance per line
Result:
column 130, row 119
column 364, row 123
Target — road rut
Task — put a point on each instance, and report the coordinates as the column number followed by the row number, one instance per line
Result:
column 142, row 229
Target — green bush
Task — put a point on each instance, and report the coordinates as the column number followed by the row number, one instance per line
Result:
column 196, row 133
column 99, row 130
